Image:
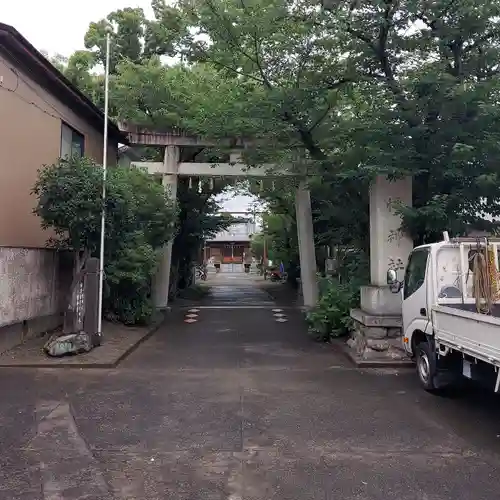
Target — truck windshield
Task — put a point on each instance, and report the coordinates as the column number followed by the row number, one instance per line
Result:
column 415, row 272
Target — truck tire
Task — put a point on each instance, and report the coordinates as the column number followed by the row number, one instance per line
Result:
column 427, row 366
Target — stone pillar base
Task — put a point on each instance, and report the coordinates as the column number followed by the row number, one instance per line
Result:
column 376, row 337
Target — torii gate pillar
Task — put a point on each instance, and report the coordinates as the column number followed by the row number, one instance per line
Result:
column 161, row 284
column 377, row 324
column 307, row 252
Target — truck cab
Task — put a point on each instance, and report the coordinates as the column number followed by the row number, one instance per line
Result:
column 448, row 328
column 417, row 296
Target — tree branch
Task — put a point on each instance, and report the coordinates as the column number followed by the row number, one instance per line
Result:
column 321, row 117
column 386, row 24
column 380, row 51
column 306, row 136
column 480, row 41
column 455, row 46
column 236, row 44
column 385, row 64
column 303, row 59
column 361, row 36
column 336, row 84
column 456, row 50
column 257, row 60
column 236, row 71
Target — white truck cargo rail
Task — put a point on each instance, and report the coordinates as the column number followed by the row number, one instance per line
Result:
column 462, row 275
column 474, row 334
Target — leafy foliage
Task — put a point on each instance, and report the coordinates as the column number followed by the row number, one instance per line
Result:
column 330, row 318
column 69, row 202
column 261, row 244
column 338, row 294
column 139, row 221
column 440, row 83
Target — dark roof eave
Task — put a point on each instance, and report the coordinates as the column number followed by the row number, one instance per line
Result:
column 44, row 73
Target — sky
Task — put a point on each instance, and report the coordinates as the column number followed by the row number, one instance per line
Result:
column 232, row 202
column 59, row 27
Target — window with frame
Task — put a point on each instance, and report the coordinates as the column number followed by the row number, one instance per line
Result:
column 72, row 142
column 415, row 272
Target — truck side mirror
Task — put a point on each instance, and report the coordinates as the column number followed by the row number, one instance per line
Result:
column 392, row 277
column 392, row 280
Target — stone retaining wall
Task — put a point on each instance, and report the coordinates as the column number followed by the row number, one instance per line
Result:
column 32, row 293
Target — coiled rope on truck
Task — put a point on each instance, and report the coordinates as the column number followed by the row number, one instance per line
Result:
column 483, row 294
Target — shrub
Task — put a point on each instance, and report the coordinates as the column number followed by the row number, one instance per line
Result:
column 330, row 318
column 139, row 221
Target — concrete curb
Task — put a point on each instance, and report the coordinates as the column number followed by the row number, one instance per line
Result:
column 372, row 363
column 154, row 328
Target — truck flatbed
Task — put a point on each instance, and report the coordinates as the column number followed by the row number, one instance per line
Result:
column 461, row 328
column 495, row 309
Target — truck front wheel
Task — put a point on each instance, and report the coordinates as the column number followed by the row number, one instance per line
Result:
column 426, row 366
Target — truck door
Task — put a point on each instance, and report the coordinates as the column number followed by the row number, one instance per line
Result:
column 415, row 310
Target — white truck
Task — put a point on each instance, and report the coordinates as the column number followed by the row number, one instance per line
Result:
column 451, row 311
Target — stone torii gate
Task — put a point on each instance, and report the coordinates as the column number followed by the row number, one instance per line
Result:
column 179, row 152
column 377, row 322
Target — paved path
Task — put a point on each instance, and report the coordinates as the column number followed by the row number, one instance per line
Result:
column 238, row 406
column 237, row 290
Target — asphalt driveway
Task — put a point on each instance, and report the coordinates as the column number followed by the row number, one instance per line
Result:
column 239, row 404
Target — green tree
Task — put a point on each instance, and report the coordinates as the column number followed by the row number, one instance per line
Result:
column 135, row 38
column 365, row 88
column 434, row 69
column 259, row 244
column 139, row 221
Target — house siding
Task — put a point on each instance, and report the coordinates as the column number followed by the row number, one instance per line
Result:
column 30, row 136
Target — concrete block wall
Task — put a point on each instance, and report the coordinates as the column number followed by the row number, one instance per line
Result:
column 30, row 293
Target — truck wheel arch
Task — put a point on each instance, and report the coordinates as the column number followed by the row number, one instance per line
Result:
column 417, row 337
column 427, row 366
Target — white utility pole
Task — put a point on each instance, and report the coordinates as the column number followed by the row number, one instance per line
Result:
column 104, row 177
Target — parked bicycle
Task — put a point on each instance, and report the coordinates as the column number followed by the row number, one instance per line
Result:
column 201, row 272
